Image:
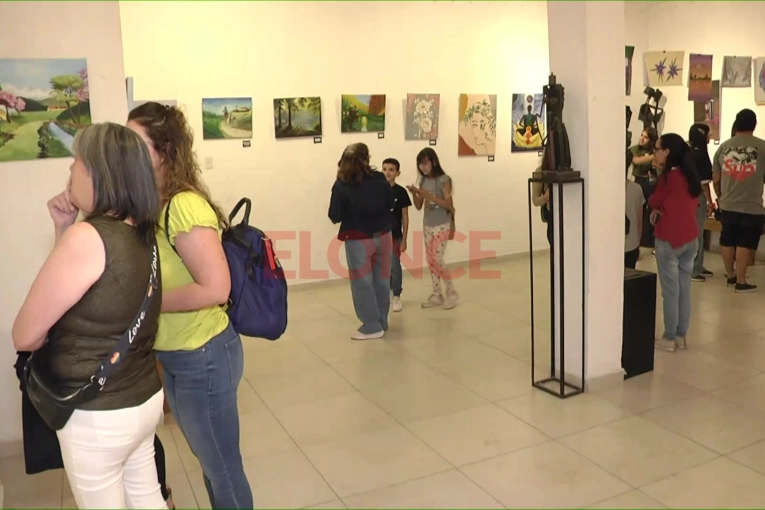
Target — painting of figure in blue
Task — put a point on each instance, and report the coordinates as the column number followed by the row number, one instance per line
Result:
column 528, row 122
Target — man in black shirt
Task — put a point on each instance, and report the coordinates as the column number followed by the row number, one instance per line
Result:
column 399, row 228
column 698, row 138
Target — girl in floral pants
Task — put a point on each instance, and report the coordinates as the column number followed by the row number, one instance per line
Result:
column 435, row 195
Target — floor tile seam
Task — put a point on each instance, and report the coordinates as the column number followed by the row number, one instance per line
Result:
column 694, row 441
column 728, row 456
column 418, row 478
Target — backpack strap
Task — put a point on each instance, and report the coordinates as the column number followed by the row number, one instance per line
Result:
column 167, row 225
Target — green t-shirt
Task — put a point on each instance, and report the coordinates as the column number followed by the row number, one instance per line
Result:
column 185, row 331
column 643, row 169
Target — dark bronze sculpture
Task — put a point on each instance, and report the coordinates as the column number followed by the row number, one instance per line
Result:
column 557, row 152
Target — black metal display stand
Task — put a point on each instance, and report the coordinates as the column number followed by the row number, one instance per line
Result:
column 639, row 322
column 556, row 383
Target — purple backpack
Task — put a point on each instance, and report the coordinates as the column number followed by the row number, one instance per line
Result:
column 257, row 306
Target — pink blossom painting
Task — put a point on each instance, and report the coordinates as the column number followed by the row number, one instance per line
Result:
column 43, row 103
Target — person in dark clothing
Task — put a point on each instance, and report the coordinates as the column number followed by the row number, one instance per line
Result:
column 698, row 139
column 361, row 202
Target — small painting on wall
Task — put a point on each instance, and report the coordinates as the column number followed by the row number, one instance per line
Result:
column 664, row 68
column 737, row 72
column 226, row 118
column 43, row 103
column 422, row 116
column 628, row 52
column 759, row 85
column 297, row 116
column 528, row 122
column 699, row 77
column 708, row 112
column 362, row 113
column 477, row 125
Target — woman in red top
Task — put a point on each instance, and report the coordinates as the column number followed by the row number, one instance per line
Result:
column 674, row 203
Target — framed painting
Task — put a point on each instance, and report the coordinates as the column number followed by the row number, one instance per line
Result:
column 699, row 77
column 664, row 68
column 362, row 113
column 528, row 122
column 477, row 129
column 43, row 103
column 759, row 81
column 708, row 112
column 736, row 72
column 224, row 118
column 296, row 117
column 422, row 116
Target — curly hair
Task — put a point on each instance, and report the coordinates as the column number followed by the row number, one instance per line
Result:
column 354, row 164
column 173, row 139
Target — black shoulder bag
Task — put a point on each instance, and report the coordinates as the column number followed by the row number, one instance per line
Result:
column 56, row 409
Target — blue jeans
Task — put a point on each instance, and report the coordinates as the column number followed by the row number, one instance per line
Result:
column 396, row 275
column 201, row 388
column 701, row 219
column 369, row 271
column 675, row 267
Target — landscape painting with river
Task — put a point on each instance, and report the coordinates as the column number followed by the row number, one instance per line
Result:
column 43, row 103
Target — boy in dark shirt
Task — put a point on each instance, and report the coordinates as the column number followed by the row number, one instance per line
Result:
column 399, row 228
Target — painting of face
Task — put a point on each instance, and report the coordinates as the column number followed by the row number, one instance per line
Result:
column 477, row 125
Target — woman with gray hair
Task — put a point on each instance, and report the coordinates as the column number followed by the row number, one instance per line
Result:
column 362, row 201
column 90, row 319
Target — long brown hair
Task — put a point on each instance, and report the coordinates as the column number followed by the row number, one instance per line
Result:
column 173, row 139
column 354, row 164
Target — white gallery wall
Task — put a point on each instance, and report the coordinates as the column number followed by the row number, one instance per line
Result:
column 266, row 50
column 46, row 30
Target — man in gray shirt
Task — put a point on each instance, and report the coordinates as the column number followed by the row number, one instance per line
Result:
column 738, row 176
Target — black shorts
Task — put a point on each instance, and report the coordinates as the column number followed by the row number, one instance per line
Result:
column 741, row 230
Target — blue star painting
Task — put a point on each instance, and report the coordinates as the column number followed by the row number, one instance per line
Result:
column 664, row 68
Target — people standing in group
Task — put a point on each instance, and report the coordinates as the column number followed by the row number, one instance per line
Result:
column 634, row 204
column 434, row 195
column 361, row 202
column 83, row 304
column 698, row 139
column 201, row 354
column 673, row 204
column 399, row 229
column 645, row 176
column 738, row 174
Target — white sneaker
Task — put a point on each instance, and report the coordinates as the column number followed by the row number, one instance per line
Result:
column 358, row 335
column 665, row 345
column 396, row 304
column 433, row 301
column 680, row 343
column 451, row 301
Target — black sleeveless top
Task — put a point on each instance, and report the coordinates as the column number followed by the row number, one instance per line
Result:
column 87, row 333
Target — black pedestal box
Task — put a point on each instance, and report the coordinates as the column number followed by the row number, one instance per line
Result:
column 639, row 326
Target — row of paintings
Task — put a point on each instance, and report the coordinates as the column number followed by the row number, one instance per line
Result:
column 665, row 69
column 301, row 117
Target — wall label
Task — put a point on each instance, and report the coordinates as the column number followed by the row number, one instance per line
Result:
column 380, row 135
column 246, row 143
column 432, row 143
column 316, row 139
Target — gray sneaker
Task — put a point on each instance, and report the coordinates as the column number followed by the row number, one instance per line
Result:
column 665, row 345
column 433, row 301
column 451, row 301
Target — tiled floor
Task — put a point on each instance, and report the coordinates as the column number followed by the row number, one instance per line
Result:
column 441, row 413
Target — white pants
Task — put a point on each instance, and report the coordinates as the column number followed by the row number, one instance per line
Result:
column 109, row 456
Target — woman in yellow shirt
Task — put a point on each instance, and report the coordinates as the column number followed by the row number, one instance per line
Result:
column 201, row 354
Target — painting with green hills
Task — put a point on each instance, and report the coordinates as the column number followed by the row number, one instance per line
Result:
column 297, row 116
column 43, row 103
column 229, row 117
column 362, row 113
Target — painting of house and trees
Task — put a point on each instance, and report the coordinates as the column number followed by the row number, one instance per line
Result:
column 226, row 118
column 43, row 103
column 362, row 113
column 297, row 116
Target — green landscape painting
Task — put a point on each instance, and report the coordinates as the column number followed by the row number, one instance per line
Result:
column 43, row 102
column 297, row 116
column 362, row 113
column 226, row 118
